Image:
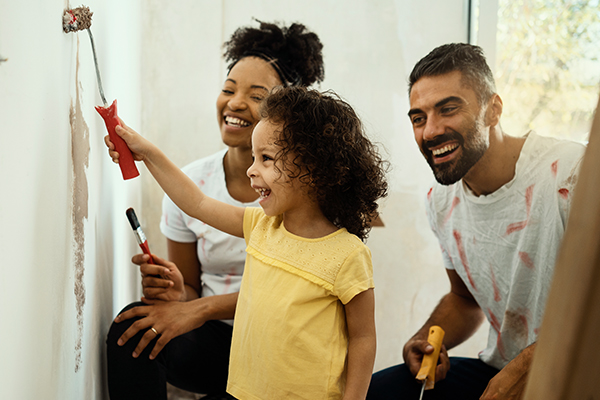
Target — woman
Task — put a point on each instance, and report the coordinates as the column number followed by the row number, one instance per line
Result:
column 191, row 312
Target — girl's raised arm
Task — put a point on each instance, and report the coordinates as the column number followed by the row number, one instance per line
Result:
column 178, row 186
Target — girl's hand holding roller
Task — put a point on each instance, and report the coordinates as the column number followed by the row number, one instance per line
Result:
column 137, row 144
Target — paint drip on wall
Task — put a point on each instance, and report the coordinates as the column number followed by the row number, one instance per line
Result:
column 80, row 150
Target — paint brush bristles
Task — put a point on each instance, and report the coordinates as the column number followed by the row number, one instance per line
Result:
column 77, row 19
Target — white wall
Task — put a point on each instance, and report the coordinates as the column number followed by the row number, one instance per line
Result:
column 63, row 202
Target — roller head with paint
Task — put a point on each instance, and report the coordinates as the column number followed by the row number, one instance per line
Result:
column 78, row 19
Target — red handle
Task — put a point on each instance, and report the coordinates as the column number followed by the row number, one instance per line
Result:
column 126, row 162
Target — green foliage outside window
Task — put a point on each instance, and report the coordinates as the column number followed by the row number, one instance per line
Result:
column 548, row 66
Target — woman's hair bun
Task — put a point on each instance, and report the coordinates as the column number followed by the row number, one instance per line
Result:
column 295, row 51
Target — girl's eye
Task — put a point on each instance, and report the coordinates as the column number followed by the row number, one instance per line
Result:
column 227, row 91
column 266, row 158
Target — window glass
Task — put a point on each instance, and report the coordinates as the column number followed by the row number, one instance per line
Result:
column 547, row 66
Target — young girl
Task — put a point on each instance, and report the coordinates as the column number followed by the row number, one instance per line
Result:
column 304, row 323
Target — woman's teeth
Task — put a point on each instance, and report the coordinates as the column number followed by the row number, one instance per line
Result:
column 445, row 149
column 238, row 123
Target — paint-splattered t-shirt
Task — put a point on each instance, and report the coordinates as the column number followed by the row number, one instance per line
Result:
column 504, row 245
column 222, row 256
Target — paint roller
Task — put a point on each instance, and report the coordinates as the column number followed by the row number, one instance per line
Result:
column 78, row 19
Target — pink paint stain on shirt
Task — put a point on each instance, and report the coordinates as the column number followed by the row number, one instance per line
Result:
column 526, row 260
column 429, row 193
column 564, row 193
column 455, row 202
column 497, row 296
column 201, row 183
column 554, row 168
column 227, row 283
column 496, row 325
column 463, row 257
column 517, row 226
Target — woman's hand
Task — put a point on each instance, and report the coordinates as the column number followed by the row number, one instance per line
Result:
column 161, row 280
column 161, row 319
column 137, row 144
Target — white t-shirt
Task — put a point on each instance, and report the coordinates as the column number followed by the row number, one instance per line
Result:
column 221, row 256
column 504, row 245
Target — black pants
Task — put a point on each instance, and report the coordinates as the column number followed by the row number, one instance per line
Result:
column 466, row 380
column 197, row 361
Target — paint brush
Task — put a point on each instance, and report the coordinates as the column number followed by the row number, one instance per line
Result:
column 78, row 19
column 139, row 233
column 429, row 363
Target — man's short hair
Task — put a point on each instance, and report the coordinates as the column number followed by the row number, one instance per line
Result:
column 463, row 57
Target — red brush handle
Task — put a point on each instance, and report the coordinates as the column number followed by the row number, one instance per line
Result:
column 126, row 162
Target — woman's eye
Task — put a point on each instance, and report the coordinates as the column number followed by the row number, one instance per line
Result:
column 227, row 91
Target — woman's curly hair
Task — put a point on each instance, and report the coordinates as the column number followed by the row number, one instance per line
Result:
column 295, row 50
column 322, row 137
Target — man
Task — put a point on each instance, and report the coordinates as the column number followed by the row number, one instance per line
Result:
column 499, row 212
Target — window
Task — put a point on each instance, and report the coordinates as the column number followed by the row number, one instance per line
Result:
column 547, row 65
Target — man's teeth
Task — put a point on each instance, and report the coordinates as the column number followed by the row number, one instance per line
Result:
column 233, row 121
column 444, row 149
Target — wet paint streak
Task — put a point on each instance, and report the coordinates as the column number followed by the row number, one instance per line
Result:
column 497, row 296
column 227, row 283
column 429, row 194
column 554, row 168
column 80, row 150
column 526, row 260
column 463, row 257
column 517, row 226
column 455, row 202
column 564, row 193
column 496, row 325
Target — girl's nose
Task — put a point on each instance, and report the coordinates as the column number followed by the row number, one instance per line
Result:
column 251, row 172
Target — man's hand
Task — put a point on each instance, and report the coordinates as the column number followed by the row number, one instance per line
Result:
column 415, row 349
column 510, row 382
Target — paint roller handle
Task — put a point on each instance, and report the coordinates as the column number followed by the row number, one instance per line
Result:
column 429, row 363
column 126, row 162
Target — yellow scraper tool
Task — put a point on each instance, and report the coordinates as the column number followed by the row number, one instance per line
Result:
column 427, row 371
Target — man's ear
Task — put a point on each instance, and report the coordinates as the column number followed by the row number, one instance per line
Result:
column 494, row 110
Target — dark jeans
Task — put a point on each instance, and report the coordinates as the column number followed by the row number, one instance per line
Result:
column 466, row 380
column 197, row 361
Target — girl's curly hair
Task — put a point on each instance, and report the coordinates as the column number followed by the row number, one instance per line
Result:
column 295, row 51
column 322, row 137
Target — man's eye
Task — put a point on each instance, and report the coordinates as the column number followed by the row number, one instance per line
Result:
column 417, row 120
column 447, row 110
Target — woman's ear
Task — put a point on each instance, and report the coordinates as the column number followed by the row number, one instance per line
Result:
column 494, row 110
